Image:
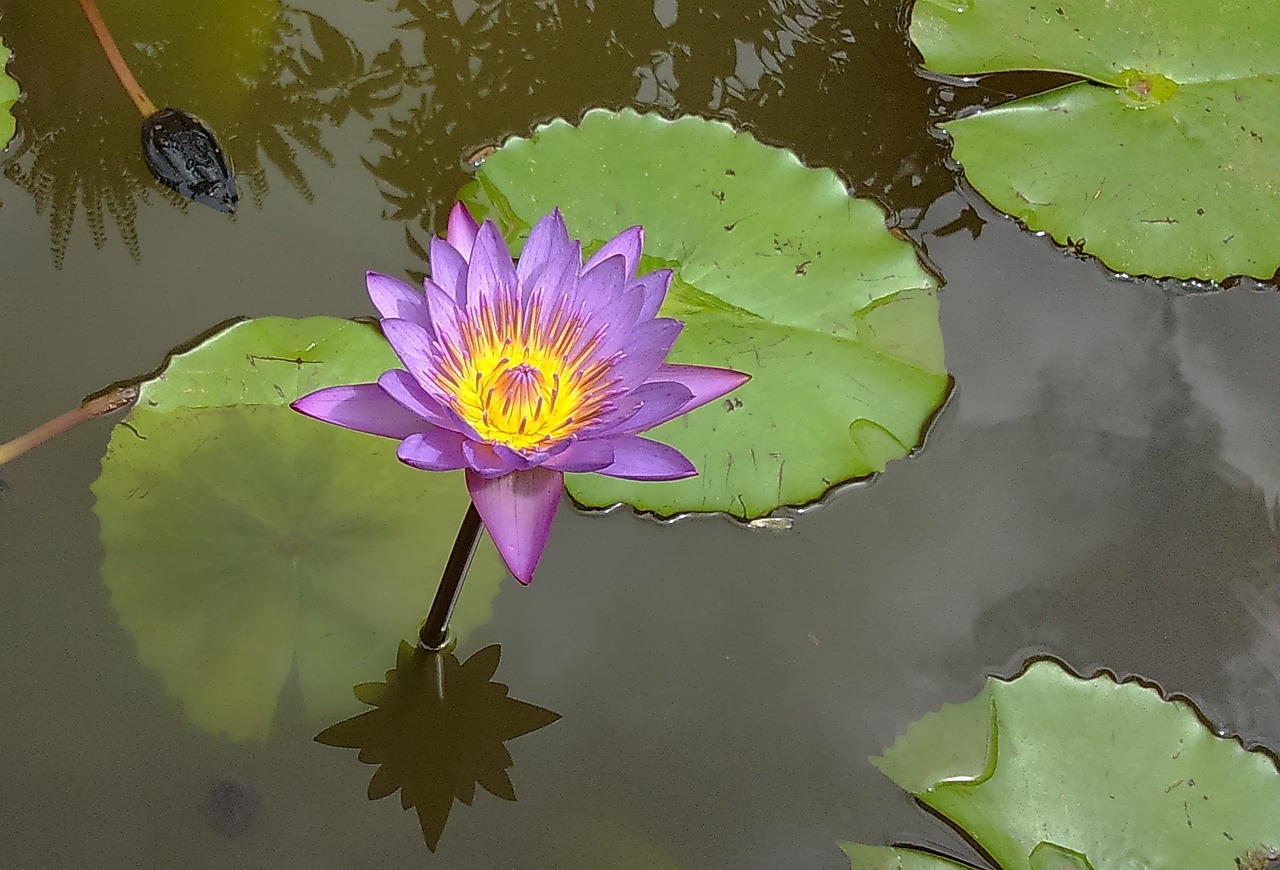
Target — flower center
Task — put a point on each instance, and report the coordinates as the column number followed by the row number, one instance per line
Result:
column 523, row 380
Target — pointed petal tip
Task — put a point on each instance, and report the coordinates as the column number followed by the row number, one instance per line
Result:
column 637, row 458
column 517, row 510
column 361, row 407
column 461, row 232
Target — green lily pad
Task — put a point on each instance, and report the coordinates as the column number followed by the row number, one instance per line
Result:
column 1049, row 771
column 243, row 540
column 782, row 275
column 1160, row 161
column 8, row 96
column 897, row 858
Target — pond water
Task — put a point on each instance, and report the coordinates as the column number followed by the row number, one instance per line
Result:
column 1102, row 487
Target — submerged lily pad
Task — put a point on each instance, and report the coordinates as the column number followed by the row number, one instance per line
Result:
column 1049, row 771
column 243, row 539
column 8, row 96
column 1161, row 160
column 781, row 274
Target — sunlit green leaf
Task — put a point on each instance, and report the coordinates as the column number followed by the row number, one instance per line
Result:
column 8, row 96
column 894, row 858
column 782, row 275
column 1049, row 771
column 243, row 540
column 1161, row 161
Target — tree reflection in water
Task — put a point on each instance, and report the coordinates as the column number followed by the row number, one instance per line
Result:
column 450, row 79
column 268, row 95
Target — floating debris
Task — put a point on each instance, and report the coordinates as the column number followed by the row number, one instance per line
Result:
column 180, row 149
column 183, row 154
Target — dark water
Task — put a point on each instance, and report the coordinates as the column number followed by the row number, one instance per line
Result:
column 1103, row 487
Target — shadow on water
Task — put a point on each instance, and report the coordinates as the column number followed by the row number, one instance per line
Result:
column 439, row 729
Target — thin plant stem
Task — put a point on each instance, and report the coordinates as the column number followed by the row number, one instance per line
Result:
column 434, row 635
column 116, row 59
column 437, row 675
column 95, row 407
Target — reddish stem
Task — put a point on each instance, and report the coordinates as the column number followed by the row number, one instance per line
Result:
column 96, row 407
column 131, row 86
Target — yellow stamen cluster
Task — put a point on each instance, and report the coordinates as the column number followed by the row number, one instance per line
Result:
column 522, row 382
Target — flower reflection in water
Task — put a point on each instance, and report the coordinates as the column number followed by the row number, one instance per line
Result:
column 438, row 729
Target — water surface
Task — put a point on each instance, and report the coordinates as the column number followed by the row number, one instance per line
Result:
column 1102, row 487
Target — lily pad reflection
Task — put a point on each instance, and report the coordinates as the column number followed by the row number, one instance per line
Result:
column 243, row 541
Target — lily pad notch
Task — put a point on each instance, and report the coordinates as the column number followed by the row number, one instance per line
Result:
column 1051, row 771
column 1160, row 161
column 834, row 317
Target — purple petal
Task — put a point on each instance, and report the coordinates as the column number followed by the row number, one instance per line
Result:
column 627, row 244
column 517, row 509
column 443, row 311
column 449, row 270
column 490, row 273
column 654, row 288
column 516, row 460
column 405, row 389
column 394, row 298
column 547, row 242
column 659, row 402
column 437, row 450
column 362, row 407
column 582, row 456
column 650, row 343
column 636, row 458
column 602, row 284
column 487, row 462
column 412, row 344
column 609, row 305
column 707, row 383
column 462, row 230
column 556, row 286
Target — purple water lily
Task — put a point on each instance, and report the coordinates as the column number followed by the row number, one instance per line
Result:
column 521, row 372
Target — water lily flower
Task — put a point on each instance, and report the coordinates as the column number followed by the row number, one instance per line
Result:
column 521, row 372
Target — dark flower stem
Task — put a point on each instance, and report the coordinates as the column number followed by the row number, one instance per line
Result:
column 131, row 86
column 434, row 635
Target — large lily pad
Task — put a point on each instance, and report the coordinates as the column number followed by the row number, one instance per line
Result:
column 781, row 274
column 8, row 96
column 1049, row 771
column 1161, row 160
column 243, row 539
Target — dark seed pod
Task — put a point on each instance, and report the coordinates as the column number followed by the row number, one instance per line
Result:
column 183, row 153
